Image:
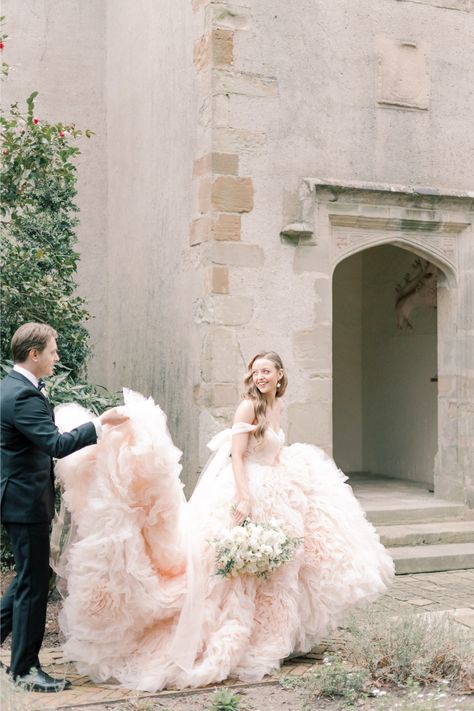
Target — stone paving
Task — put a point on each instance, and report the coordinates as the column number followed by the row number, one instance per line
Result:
column 451, row 591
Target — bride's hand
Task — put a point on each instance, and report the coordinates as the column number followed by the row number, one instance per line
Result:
column 241, row 511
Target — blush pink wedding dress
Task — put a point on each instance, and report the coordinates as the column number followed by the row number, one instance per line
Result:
column 143, row 604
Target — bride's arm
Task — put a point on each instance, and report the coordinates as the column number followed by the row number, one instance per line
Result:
column 244, row 413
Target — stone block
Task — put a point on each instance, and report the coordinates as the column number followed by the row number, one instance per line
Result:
column 220, row 163
column 202, row 52
column 247, row 84
column 201, row 230
column 310, row 422
column 232, row 194
column 224, row 395
column 323, row 300
column 218, row 280
column 306, row 259
column 238, row 255
column 226, row 15
column 205, row 195
column 222, row 46
column 313, row 349
column 216, row 395
column 221, row 362
column 225, row 163
column 231, row 310
column 320, row 389
column 220, row 111
column 236, row 140
column 227, row 227
column 446, row 385
column 202, row 165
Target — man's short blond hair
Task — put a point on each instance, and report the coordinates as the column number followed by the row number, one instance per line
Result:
column 29, row 336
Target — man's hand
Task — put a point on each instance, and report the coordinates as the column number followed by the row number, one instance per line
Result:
column 114, row 416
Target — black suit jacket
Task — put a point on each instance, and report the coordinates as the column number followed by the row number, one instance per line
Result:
column 29, row 441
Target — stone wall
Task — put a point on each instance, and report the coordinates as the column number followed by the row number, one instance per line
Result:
column 153, row 277
column 369, row 92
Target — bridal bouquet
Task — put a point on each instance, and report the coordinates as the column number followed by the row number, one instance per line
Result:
column 253, row 549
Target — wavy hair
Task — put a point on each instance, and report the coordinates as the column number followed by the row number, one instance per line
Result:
column 253, row 393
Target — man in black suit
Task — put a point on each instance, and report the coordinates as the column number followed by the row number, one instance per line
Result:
column 29, row 441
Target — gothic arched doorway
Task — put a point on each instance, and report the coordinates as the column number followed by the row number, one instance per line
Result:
column 385, row 395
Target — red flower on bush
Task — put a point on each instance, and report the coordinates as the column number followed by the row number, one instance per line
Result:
column 36, row 120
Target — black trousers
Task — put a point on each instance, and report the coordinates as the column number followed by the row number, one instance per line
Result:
column 23, row 606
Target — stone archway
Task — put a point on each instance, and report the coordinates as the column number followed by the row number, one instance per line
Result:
column 338, row 220
column 385, row 396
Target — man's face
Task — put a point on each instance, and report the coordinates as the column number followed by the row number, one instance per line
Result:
column 45, row 360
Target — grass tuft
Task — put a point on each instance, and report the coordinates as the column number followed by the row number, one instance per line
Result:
column 224, row 700
column 409, row 648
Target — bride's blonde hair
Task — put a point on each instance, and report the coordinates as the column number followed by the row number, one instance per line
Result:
column 254, row 394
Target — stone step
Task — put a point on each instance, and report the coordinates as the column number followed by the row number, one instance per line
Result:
column 432, row 558
column 386, row 514
column 415, row 534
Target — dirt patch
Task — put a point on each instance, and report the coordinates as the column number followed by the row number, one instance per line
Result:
column 272, row 697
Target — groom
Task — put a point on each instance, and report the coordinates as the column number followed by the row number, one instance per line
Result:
column 29, row 441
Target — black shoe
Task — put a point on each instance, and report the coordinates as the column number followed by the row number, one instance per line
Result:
column 37, row 680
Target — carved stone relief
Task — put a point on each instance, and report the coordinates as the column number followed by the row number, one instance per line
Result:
column 403, row 73
column 347, row 241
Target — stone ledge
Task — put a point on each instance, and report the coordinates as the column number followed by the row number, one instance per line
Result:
column 352, row 185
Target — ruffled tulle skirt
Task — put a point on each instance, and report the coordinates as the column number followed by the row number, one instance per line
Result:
column 144, row 605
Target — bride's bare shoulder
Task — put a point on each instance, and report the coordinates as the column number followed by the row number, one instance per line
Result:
column 245, row 412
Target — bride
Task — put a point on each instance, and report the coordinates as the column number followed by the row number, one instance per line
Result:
column 144, row 604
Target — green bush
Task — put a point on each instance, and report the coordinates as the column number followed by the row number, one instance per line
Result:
column 38, row 261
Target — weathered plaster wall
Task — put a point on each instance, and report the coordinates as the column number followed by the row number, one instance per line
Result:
column 328, row 120
column 151, row 129
column 125, row 70
column 59, row 49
